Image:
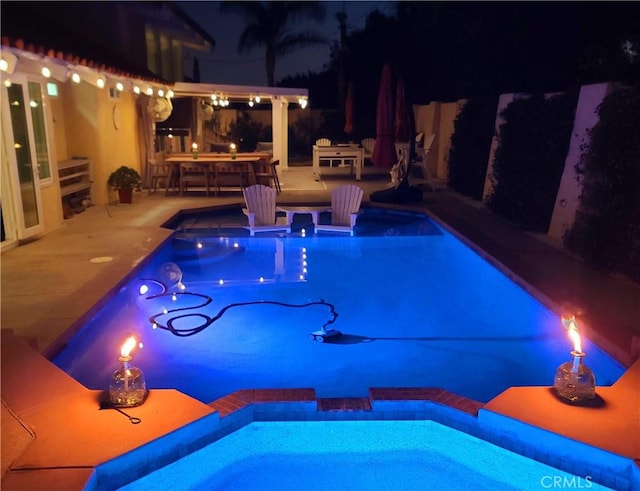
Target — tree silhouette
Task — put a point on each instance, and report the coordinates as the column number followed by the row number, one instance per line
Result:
column 268, row 26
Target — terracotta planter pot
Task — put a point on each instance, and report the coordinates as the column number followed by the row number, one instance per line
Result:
column 125, row 195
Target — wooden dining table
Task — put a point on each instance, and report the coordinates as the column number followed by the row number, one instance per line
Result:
column 206, row 159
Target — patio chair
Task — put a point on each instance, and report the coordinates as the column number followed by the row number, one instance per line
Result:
column 421, row 164
column 368, row 144
column 323, row 142
column 231, row 174
column 266, row 173
column 261, row 210
column 194, row 175
column 160, row 171
column 345, row 208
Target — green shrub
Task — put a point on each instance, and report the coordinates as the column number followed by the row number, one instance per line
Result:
column 474, row 128
column 529, row 161
column 245, row 132
column 606, row 231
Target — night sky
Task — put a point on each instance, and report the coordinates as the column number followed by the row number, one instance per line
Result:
column 225, row 65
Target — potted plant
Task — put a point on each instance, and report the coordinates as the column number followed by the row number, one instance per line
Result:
column 125, row 179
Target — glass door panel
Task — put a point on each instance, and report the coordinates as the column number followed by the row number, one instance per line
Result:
column 26, row 190
column 36, row 105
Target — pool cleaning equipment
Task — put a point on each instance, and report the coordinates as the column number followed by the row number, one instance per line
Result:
column 205, row 320
column 325, row 335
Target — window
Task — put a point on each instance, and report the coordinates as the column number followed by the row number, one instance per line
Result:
column 39, row 130
column 152, row 50
column 52, row 89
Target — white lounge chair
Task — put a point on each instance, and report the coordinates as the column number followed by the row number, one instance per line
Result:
column 345, row 208
column 422, row 163
column 368, row 144
column 261, row 209
column 324, row 142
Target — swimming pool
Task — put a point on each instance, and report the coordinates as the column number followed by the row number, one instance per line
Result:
column 416, row 308
column 355, row 455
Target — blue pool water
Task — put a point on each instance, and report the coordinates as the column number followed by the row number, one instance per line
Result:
column 355, row 455
column 417, row 308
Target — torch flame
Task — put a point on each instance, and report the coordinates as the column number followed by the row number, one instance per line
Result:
column 128, row 346
column 571, row 324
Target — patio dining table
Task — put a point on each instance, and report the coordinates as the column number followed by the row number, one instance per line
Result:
column 246, row 161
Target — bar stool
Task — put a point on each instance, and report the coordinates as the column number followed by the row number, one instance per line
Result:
column 267, row 173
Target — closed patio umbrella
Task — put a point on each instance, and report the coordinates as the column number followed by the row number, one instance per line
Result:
column 384, row 152
column 400, row 128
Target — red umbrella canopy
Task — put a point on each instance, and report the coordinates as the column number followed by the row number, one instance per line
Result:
column 403, row 122
column 384, row 152
column 348, row 110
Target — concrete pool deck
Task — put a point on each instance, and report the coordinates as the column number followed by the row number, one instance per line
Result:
column 53, row 436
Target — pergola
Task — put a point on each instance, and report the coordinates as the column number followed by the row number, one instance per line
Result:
column 280, row 98
column 64, row 69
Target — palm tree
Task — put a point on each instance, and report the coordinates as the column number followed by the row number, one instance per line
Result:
column 267, row 24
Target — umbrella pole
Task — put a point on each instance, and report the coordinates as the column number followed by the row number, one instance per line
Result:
column 404, row 182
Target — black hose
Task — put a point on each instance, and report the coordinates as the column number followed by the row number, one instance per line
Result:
column 184, row 332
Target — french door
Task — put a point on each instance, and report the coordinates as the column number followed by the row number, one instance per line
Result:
column 22, row 215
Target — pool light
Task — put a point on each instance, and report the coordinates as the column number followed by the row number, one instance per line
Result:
column 128, row 387
column 574, row 381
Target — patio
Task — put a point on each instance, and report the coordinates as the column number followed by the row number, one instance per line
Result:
column 43, row 418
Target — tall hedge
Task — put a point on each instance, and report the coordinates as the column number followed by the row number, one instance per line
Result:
column 532, row 147
column 606, row 231
column 470, row 146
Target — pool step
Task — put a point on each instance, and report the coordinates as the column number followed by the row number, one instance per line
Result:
column 242, row 398
column 344, row 404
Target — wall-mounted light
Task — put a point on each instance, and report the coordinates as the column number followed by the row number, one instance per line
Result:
column 149, row 91
column 56, row 70
column 75, row 77
column 8, row 62
column 136, row 89
column 302, row 102
column 119, row 86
